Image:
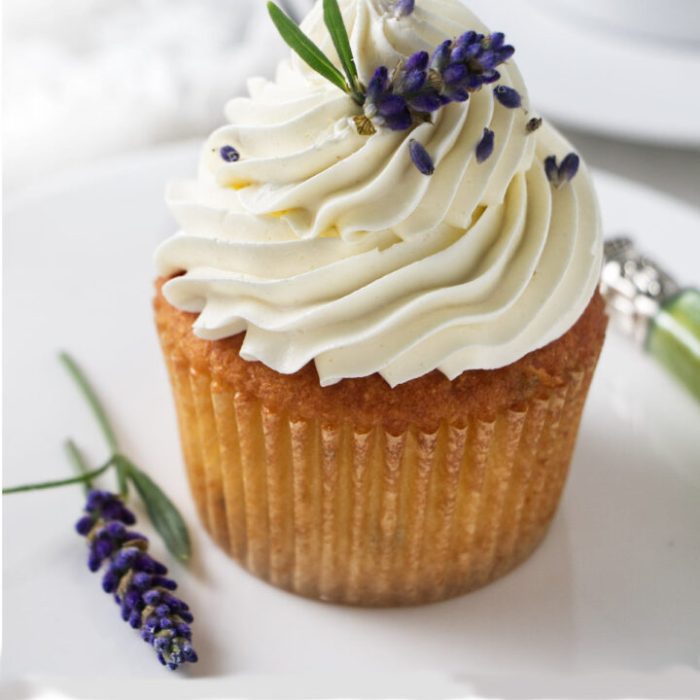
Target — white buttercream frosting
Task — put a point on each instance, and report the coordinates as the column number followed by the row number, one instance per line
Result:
column 323, row 245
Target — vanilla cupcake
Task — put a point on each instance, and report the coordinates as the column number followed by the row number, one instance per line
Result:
column 381, row 329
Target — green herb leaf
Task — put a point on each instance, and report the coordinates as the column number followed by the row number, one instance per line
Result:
column 161, row 510
column 336, row 27
column 305, row 48
column 75, row 456
column 83, row 478
column 91, row 397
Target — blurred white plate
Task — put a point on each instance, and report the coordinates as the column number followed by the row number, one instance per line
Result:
column 674, row 21
column 599, row 80
column 613, row 588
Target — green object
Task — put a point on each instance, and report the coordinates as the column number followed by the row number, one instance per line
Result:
column 674, row 338
column 305, row 48
column 162, row 511
column 339, row 34
column 81, row 479
column 163, row 514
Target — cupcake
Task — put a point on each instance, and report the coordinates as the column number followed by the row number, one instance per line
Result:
column 380, row 315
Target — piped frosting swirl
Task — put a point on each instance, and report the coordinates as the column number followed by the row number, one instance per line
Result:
column 324, row 245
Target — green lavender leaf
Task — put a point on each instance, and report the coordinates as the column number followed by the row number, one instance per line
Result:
column 100, row 414
column 305, row 48
column 161, row 510
column 91, row 397
column 81, row 479
column 76, row 458
column 339, row 34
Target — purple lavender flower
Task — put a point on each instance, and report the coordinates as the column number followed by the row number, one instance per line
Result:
column 423, row 84
column 382, row 106
column 229, row 154
column 560, row 174
column 508, row 96
column 484, row 148
column 137, row 580
column 420, row 157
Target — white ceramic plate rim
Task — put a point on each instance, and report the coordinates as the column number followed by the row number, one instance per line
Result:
column 640, row 89
column 279, row 644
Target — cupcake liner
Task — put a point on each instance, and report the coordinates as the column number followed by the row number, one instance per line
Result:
column 362, row 515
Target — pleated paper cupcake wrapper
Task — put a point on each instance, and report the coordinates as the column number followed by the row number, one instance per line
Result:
column 368, row 517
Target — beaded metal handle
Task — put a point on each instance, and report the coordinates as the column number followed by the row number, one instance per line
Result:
column 650, row 306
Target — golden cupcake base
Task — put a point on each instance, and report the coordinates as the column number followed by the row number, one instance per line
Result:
column 351, row 510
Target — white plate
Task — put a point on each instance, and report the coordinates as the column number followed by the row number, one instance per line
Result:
column 599, row 80
column 613, row 588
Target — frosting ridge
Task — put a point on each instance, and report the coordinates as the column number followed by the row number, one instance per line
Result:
column 327, row 246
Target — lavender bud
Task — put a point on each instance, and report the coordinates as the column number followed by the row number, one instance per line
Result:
column 428, row 101
column 182, row 629
column 421, row 158
column 418, row 61
column 378, row 84
column 508, row 97
column 189, row 653
column 403, row 8
column 229, row 154
column 454, row 73
column 115, row 529
column 110, row 581
column 84, row 525
column 166, row 583
column 95, row 500
column 441, row 56
column 141, row 580
column 552, row 170
column 412, row 82
column 469, row 38
column 152, row 597
column 488, row 60
column 391, row 105
column 401, row 121
column 485, row 147
column 497, row 39
column 505, row 53
column 569, row 167
column 489, row 77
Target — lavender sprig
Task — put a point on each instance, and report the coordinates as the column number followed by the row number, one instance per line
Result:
column 424, row 84
column 418, row 87
column 138, row 581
